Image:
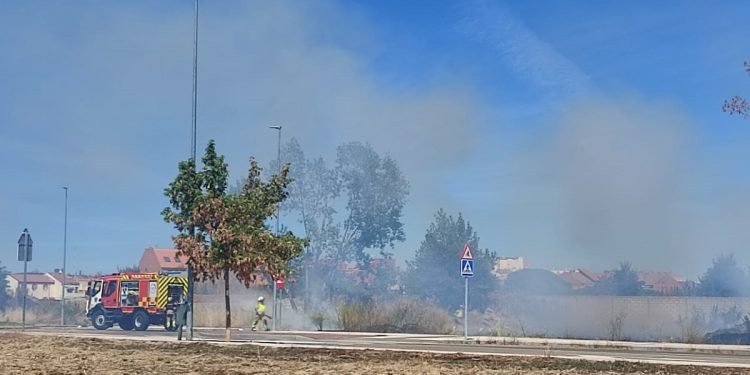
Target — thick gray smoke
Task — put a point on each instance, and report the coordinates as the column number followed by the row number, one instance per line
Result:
column 624, row 180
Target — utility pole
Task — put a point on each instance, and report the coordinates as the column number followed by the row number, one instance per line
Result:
column 65, row 251
column 191, row 276
column 24, row 255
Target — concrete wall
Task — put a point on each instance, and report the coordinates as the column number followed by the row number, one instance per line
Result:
column 639, row 318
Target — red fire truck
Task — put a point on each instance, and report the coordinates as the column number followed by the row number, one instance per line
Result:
column 134, row 300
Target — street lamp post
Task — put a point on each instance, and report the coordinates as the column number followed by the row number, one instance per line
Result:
column 65, row 251
column 193, row 140
column 278, row 212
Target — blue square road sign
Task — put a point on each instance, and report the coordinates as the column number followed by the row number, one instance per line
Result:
column 467, row 267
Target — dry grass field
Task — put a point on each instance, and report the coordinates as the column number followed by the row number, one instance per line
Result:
column 30, row 354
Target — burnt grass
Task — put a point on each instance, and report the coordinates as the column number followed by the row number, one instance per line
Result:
column 25, row 354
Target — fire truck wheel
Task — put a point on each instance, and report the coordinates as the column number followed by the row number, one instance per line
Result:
column 140, row 320
column 99, row 321
column 126, row 323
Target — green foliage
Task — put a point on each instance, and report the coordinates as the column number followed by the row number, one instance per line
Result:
column 724, row 279
column 373, row 191
column 183, row 193
column 737, row 104
column 623, row 282
column 5, row 299
column 222, row 234
column 377, row 280
column 376, row 192
column 532, row 281
column 434, row 272
column 215, row 174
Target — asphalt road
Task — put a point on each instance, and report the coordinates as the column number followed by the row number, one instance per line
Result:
column 426, row 343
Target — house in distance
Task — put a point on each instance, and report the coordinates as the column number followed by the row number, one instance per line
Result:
column 164, row 261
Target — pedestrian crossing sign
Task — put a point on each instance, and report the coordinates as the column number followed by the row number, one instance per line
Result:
column 467, row 267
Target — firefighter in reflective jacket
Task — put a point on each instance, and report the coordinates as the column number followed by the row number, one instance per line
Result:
column 459, row 314
column 260, row 314
column 170, row 320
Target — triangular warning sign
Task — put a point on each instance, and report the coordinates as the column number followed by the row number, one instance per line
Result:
column 466, row 253
column 467, row 268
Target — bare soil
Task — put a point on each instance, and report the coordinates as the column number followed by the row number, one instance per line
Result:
column 32, row 354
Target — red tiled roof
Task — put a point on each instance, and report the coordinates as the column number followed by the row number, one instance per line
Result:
column 660, row 281
column 593, row 276
column 168, row 259
column 33, row 278
column 578, row 278
column 69, row 279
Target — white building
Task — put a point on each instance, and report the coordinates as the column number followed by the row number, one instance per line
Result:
column 506, row 265
column 48, row 285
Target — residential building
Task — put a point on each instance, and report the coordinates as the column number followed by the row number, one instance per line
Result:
column 39, row 285
column 48, row 285
column 504, row 266
column 658, row 282
column 75, row 285
column 661, row 282
column 579, row 278
column 162, row 261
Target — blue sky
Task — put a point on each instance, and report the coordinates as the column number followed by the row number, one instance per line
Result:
column 580, row 133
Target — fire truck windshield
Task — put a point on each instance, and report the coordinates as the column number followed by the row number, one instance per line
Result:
column 111, row 287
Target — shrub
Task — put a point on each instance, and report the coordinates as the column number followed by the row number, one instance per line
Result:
column 404, row 315
column 46, row 312
column 318, row 317
column 352, row 316
column 614, row 326
column 693, row 327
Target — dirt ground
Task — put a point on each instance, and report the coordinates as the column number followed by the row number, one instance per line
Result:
column 30, row 354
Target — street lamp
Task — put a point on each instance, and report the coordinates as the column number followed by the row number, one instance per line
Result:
column 193, row 140
column 65, row 251
column 278, row 213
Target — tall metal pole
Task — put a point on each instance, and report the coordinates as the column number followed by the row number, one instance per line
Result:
column 65, row 251
column 191, row 283
column 466, row 308
column 278, row 160
column 276, row 309
column 25, row 286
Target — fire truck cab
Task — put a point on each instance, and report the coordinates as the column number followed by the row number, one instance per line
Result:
column 133, row 300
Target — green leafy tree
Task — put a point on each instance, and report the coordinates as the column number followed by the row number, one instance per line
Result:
column 231, row 234
column 312, row 196
column 183, row 193
column 434, row 275
column 5, row 298
column 376, row 193
column 724, row 279
column 737, row 104
column 623, row 282
column 371, row 192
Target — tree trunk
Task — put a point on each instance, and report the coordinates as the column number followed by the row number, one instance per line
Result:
column 228, row 332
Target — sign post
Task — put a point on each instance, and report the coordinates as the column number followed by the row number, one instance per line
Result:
column 273, row 309
column 24, row 255
column 467, row 271
column 278, row 286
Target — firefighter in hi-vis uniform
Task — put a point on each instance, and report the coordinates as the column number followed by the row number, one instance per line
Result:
column 260, row 314
column 170, row 320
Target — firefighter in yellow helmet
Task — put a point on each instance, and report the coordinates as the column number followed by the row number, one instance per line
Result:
column 260, row 314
